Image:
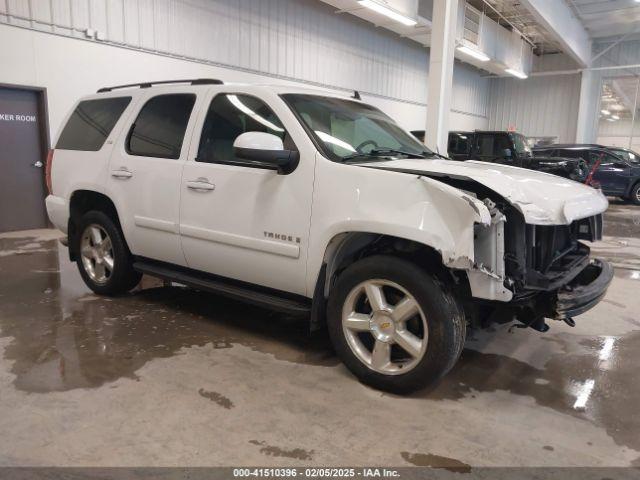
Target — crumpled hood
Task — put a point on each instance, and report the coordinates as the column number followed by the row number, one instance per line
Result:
column 543, row 199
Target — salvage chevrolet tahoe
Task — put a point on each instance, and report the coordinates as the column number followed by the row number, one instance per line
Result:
column 310, row 202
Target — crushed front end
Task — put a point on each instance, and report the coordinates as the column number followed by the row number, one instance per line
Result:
column 547, row 269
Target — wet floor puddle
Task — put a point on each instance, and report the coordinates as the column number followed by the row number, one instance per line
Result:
column 63, row 337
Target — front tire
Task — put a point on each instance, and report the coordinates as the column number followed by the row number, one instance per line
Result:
column 102, row 255
column 393, row 325
column 634, row 197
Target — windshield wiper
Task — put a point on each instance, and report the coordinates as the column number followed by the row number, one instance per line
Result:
column 380, row 153
column 429, row 153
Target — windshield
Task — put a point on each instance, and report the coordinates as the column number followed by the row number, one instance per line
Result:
column 351, row 130
column 520, row 142
column 627, row 155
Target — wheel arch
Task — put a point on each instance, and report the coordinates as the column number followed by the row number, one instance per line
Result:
column 632, row 185
column 83, row 201
column 348, row 247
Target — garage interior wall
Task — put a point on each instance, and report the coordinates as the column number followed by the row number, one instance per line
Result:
column 267, row 41
column 540, row 106
column 537, row 107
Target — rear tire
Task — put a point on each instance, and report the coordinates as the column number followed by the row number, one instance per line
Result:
column 102, row 255
column 385, row 340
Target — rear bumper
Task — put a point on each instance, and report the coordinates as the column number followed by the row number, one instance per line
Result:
column 58, row 212
column 585, row 291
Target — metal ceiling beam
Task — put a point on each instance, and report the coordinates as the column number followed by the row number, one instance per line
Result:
column 611, row 46
column 558, row 19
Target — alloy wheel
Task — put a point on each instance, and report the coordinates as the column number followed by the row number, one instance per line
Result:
column 96, row 251
column 384, row 326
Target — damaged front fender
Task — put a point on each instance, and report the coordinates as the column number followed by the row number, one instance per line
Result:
column 483, row 240
column 464, row 211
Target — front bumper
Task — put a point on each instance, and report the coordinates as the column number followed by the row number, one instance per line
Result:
column 585, row 291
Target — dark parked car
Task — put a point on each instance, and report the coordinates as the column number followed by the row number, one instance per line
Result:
column 618, row 173
column 510, row 148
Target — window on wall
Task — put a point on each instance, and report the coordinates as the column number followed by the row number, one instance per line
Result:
column 160, row 127
column 231, row 115
column 619, row 115
column 91, row 123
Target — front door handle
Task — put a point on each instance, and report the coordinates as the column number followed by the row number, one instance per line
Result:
column 201, row 185
column 121, row 173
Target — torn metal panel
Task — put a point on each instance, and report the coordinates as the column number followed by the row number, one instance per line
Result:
column 465, row 212
column 487, row 277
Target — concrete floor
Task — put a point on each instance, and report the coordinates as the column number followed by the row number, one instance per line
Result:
column 168, row 376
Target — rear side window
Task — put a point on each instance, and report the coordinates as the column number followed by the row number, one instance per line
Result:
column 458, row 144
column 91, row 123
column 159, row 129
column 491, row 145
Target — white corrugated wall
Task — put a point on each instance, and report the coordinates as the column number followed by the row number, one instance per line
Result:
column 538, row 106
column 299, row 40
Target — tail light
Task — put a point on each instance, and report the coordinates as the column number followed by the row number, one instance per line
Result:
column 47, row 171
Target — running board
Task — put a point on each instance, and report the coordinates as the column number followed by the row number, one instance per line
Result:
column 260, row 296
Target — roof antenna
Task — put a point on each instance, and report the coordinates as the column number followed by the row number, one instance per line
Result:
column 356, row 95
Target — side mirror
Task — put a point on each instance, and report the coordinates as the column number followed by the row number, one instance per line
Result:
column 507, row 153
column 265, row 150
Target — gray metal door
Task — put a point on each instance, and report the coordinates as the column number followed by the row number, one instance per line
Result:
column 21, row 161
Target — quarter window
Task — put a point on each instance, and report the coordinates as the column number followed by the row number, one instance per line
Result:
column 231, row 115
column 492, row 145
column 91, row 123
column 159, row 129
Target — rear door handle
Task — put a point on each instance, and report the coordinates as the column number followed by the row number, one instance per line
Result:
column 121, row 173
column 201, row 185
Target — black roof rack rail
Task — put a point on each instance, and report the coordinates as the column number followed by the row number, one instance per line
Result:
column 194, row 81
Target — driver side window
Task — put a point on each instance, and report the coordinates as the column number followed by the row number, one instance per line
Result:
column 231, row 115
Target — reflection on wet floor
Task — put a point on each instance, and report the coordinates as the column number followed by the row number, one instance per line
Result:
column 621, row 245
column 63, row 342
column 63, row 337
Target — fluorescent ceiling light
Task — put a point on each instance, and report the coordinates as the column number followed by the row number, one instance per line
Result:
column 615, row 117
column 516, row 73
column 477, row 54
column 387, row 12
column 605, row 112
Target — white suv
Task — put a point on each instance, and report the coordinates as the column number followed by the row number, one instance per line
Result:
column 310, row 202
